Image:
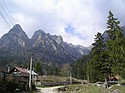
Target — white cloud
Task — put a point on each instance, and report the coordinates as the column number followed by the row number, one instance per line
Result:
column 87, row 17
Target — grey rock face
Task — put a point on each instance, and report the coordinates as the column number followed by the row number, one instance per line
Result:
column 46, row 47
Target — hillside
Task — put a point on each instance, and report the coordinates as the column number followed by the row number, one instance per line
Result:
column 50, row 49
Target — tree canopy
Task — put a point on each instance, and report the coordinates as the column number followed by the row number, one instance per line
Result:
column 107, row 55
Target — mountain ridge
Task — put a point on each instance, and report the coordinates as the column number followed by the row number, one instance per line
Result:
column 15, row 46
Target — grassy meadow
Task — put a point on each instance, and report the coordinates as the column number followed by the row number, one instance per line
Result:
column 92, row 88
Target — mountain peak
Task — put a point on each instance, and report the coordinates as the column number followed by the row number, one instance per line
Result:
column 47, row 48
column 18, row 31
column 17, row 25
column 40, row 32
column 16, row 36
column 17, row 28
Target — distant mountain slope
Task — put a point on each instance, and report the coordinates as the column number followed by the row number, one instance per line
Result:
column 123, row 28
column 16, row 46
column 105, row 35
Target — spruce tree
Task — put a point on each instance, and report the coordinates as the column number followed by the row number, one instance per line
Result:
column 38, row 67
column 107, row 57
column 97, row 63
column 80, row 68
column 115, row 45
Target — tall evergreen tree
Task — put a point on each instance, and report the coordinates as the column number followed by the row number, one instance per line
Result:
column 115, row 44
column 79, row 68
column 38, row 67
column 98, row 63
column 107, row 57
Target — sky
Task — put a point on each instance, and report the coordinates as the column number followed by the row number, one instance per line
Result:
column 77, row 21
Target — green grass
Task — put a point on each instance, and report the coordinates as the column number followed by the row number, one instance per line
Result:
column 91, row 88
column 117, row 89
column 83, row 88
column 50, row 79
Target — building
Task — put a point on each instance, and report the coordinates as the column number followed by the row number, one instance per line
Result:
column 20, row 76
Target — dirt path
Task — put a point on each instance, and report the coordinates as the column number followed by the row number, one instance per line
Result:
column 47, row 90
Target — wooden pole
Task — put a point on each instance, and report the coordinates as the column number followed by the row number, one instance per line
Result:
column 70, row 78
column 30, row 76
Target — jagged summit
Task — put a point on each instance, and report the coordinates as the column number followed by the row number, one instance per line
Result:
column 16, row 28
column 39, row 32
column 15, row 37
column 48, row 48
column 18, row 31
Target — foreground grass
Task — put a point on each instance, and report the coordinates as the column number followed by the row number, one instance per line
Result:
column 50, row 79
column 91, row 88
column 80, row 88
column 55, row 79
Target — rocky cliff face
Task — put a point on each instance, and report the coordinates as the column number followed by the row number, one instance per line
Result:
column 15, row 37
column 16, row 46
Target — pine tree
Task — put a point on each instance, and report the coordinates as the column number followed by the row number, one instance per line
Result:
column 38, row 67
column 107, row 57
column 79, row 68
column 98, row 62
column 115, row 44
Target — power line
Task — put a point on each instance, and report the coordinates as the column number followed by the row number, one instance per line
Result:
column 8, row 11
column 7, row 23
column 4, row 22
column 6, row 15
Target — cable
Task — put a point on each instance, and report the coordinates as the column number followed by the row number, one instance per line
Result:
column 6, row 16
column 9, row 11
column 7, row 23
column 4, row 22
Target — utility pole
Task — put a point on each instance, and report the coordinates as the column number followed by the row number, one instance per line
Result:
column 30, row 76
column 70, row 75
column 70, row 78
column 8, row 69
column 87, row 78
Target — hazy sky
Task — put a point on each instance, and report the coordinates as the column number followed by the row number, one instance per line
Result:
column 77, row 21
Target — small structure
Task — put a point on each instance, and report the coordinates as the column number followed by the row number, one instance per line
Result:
column 22, row 73
column 114, row 78
column 17, row 79
column 21, row 76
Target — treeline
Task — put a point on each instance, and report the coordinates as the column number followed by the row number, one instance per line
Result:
column 79, row 68
column 45, row 69
column 107, row 57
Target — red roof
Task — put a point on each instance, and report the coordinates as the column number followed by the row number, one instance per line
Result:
column 19, row 70
column 22, row 70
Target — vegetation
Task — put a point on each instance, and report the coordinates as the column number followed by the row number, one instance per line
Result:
column 79, row 68
column 37, row 67
column 106, row 58
column 51, row 79
column 57, row 80
column 92, row 88
column 115, row 45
